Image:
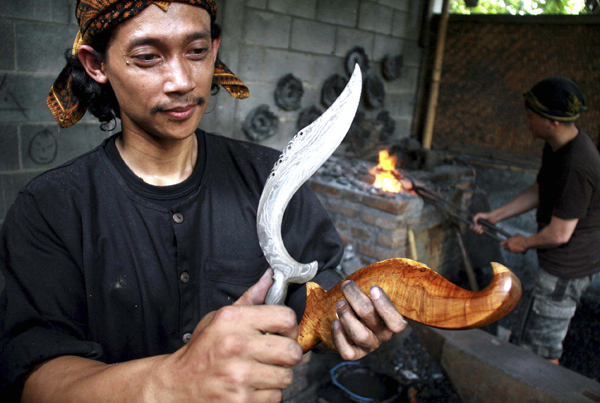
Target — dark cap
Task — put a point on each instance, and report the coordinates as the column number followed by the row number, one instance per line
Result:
column 556, row 98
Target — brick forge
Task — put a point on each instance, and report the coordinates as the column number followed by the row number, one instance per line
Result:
column 375, row 224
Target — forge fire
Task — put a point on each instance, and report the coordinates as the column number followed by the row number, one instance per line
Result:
column 387, row 177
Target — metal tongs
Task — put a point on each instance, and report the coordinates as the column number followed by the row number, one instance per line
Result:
column 460, row 214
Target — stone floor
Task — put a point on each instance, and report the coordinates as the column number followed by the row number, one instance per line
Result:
column 402, row 358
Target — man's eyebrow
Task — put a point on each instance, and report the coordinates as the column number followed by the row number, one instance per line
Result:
column 155, row 41
column 198, row 35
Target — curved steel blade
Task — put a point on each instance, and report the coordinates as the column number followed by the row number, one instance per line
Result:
column 307, row 151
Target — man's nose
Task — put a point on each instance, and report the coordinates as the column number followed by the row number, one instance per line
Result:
column 180, row 77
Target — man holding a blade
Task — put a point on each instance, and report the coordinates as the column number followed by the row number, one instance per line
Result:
column 567, row 197
column 134, row 272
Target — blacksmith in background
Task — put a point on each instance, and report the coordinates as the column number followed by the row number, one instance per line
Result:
column 121, row 266
column 567, row 197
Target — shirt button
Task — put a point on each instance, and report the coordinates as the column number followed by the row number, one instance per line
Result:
column 185, row 277
column 178, row 218
column 187, row 337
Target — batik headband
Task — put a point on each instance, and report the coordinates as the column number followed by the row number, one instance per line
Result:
column 557, row 98
column 95, row 17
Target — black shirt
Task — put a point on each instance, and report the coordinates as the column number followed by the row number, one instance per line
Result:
column 97, row 267
column 569, row 188
column 166, row 196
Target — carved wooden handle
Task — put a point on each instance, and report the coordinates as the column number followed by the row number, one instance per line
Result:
column 418, row 293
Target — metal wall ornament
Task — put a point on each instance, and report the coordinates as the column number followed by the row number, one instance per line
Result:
column 43, row 147
column 356, row 131
column 332, row 88
column 374, row 91
column 307, row 116
column 391, row 67
column 289, row 91
column 357, row 55
column 260, row 123
column 389, row 125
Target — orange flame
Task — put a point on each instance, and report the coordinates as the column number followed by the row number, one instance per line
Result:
column 385, row 173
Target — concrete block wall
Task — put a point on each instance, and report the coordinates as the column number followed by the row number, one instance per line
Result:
column 311, row 39
column 34, row 35
column 263, row 40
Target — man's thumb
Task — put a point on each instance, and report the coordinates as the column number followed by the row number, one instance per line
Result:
column 258, row 292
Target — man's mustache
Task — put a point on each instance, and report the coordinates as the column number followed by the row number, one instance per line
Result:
column 175, row 103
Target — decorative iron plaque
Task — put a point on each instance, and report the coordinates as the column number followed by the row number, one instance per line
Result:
column 260, row 123
column 374, row 91
column 332, row 88
column 357, row 55
column 391, row 67
column 43, row 147
column 307, row 116
column 288, row 93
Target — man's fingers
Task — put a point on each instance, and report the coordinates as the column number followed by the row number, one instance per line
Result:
column 256, row 294
column 281, row 320
column 267, row 396
column 274, row 319
column 362, row 305
column 343, row 346
column 354, row 329
column 477, row 228
column 248, row 350
column 276, row 350
column 387, row 311
column 243, row 375
column 270, row 377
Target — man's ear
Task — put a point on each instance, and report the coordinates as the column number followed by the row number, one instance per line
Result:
column 554, row 123
column 215, row 47
column 92, row 64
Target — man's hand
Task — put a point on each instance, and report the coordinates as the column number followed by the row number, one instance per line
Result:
column 241, row 353
column 478, row 228
column 525, row 201
column 515, row 244
column 364, row 323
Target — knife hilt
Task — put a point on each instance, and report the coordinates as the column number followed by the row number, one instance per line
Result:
column 418, row 293
column 284, row 274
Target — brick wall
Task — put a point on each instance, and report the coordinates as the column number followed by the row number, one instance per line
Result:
column 376, row 226
column 263, row 40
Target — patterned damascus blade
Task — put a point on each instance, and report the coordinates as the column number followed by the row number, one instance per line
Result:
column 307, row 151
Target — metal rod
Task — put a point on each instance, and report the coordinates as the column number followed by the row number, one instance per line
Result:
column 488, row 224
column 461, row 218
column 485, row 223
column 467, row 261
